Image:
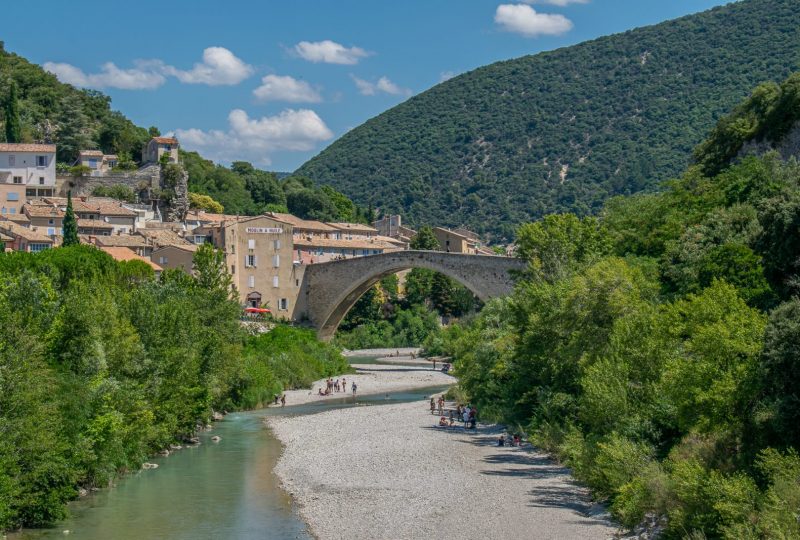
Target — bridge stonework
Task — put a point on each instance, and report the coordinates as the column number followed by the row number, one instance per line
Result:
column 332, row 288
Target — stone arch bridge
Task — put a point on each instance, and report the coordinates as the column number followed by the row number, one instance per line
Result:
column 332, row 288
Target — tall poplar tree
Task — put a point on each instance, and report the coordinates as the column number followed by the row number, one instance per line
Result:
column 70, row 224
column 11, row 110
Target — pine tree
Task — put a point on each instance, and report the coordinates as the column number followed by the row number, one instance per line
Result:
column 11, row 110
column 70, row 224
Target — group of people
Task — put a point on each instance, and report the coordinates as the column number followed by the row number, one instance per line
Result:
column 509, row 440
column 280, row 398
column 336, row 386
column 465, row 413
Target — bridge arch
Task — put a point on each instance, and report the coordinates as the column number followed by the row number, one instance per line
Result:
column 333, row 288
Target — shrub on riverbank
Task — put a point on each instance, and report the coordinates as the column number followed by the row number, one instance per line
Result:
column 102, row 365
column 656, row 351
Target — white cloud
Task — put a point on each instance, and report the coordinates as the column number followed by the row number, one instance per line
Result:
column 286, row 88
column 523, row 19
column 383, row 84
column 560, row 3
column 143, row 76
column 254, row 139
column 219, row 67
column 446, row 75
column 329, row 52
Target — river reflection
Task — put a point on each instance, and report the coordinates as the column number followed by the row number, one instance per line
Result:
column 224, row 490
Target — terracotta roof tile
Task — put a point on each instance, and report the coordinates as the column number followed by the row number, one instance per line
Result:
column 125, row 254
column 303, row 224
column 165, row 140
column 29, row 234
column 353, row 227
column 24, row 147
column 97, row 224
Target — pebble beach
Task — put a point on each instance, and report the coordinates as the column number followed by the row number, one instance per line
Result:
column 389, row 472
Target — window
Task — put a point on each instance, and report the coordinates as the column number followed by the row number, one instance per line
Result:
column 17, row 179
column 275, row 281
column 30, row 193
column 12, row 196
column 41, row 180
column 12, row 161
column 36, row 248
column 13, row 210
column 364, row 252
column 41, row 161
column 251, row 281
column 276, row 244
column 297, row 283
column 251, row 244
column 233, row 269
column 276, row 261
column 283, row 304
column 3, row 210
column 162, row 260
column 51, row 230
column 92, row 163
column 50, row 221
column 250, row 261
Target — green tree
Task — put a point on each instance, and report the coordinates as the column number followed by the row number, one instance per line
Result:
column 70, row 224
column 204, row 202
column 211, row 272
column 11, row 112
column 425, row 239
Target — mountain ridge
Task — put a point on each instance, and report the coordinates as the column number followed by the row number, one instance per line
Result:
column 511, row 141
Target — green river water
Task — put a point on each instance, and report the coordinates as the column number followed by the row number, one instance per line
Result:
column 224, row 490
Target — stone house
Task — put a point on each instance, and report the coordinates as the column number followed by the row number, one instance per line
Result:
column 353, row 231
column 160, row 146
column 26, row 170
column 98, row 163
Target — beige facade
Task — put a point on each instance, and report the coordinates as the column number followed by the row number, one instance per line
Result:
column 180, row 256
column 258, row 251
column 26, row 170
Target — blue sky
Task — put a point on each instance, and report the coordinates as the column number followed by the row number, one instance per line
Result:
column 274, row 82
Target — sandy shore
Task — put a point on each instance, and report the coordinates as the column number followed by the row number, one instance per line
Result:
column 373, row 379
column 387, row 472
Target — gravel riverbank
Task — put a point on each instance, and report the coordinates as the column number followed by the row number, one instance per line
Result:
column 388, row 472
column 374, row 379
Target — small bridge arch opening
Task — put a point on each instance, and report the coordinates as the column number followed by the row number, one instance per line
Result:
column 333, row 288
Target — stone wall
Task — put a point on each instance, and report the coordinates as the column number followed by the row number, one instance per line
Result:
column 143, row 179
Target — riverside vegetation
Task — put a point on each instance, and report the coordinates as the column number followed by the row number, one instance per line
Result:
column 101, row 365
column 563, row 130
column 656, row 349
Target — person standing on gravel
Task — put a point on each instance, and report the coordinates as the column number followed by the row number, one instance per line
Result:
column 433, row 406
column 354, row 388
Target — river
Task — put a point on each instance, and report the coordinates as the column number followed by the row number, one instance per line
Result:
column 213, row 490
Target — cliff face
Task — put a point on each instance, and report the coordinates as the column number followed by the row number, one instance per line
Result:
column 787, row 147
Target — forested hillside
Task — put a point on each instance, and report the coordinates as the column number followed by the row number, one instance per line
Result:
column 656, row 349
column 563, row 130
column 73, row 119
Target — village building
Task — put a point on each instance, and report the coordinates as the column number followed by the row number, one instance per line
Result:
column 166, row 236
column 175, row 256
column 392, row 226
column 30, row 240
column 26, row 170
column 46, row 217
column 135, row 242
column 157, row 147
column 112, row 215
column 258, row 251
column 125, row 254
column 465, row 242
column 97, row 162
column 353, row 231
